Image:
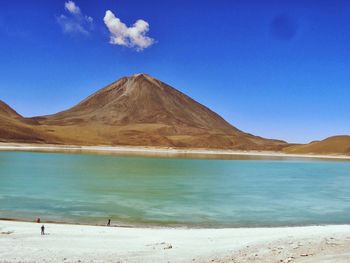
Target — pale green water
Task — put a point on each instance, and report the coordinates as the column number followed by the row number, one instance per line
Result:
column 164, row 191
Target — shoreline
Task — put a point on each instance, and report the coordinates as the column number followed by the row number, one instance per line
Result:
column 167, row 226
column 22, row 242
column 159, row 151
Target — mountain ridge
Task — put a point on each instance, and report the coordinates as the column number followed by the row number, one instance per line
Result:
column 16, row 128
column 339, row 144
column 140, row 110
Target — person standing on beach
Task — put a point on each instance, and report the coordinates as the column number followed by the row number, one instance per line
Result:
column 42, row 230
column 109, row 222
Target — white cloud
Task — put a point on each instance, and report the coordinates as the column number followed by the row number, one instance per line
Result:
column 75, row 21
column 132, row 37
column 72, row 7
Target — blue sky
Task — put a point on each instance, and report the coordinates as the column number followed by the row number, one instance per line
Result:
column 278, row 69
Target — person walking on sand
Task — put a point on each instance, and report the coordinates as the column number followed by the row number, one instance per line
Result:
column 42, row 230
column 109, row 222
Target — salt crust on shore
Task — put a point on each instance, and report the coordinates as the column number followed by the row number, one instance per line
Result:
column 22, row 242
column 155, row 151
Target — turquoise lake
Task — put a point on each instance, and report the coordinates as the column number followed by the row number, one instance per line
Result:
column 87, row 188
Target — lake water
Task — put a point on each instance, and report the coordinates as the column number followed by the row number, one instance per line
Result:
column 173, row 191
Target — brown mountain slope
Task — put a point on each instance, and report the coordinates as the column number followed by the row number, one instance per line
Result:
column 331, row 145
column 140, row 110
column 141, row 99
column 7, row 111
column 137, row 110
column 15, row 128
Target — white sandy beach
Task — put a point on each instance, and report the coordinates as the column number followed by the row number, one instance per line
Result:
column 22, row 242
column 160, row 151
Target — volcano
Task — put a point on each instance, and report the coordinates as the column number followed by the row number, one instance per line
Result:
column 141, row 111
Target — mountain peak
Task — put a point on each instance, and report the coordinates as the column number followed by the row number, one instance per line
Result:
column 6, row 110
column 142, row 110
column 135, row 110
column 142, row 75
column 145, row 77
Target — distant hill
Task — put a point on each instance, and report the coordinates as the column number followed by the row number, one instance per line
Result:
column 7, row 112
column 331, row 145
column 142, row 111
column 15, row 128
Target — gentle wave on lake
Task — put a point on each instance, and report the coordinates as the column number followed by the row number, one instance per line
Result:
column 86, row 188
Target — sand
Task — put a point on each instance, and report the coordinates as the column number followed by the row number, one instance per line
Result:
column 22, row 242
column 158, row 151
